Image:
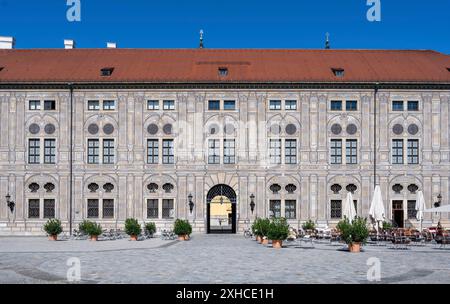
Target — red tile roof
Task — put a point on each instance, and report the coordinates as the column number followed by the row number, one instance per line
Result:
column 201, row 65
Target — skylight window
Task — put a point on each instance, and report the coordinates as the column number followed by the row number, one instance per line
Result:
column 1, row 68
column 338, row 72
column 105, row 72
column 448, row 69
column 223, row 71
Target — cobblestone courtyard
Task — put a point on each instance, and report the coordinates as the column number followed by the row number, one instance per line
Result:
column 213, row 259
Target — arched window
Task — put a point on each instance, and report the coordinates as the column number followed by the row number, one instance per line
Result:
column 34, row 187
column 413, row 188
column 49, row 187
column 351, row 188
column 152, row 187
column 336, row 188
column 93, row 187
column 290, row 188
column 167, row 187
column 397, row 188
column 108, row 187
column 275, row 188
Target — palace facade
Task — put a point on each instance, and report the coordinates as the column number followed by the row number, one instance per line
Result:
column 220, row 136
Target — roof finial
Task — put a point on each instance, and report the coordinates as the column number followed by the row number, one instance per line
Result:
column 327, row 42
column 201, row 39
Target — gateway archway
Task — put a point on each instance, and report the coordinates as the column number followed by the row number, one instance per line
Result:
column 221, row 209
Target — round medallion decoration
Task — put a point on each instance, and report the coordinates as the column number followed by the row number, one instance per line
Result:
column 49, row 129
column 34, row 128
column 93, row 129
column 229, row 129
column 167, row 129
column 152, row 129
column 275, row 129
column 108, row 129
column 291, row 129
column 352, row 129
column 413, row 129
column 336, row 129
column 397, row 129
column 213, row 129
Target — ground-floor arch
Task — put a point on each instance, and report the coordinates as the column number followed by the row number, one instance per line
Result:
column 221, row 209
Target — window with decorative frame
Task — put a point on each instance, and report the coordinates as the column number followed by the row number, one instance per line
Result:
column 336, row 151
column 34, row 150
column 397, row 151
column 34, row 105
column 275, row 151
column 290, row 151
column 33, row 208
column 413, row 151
column 336, row 209
column 275, row 208
column 93, row 151
column 229, row 156
column 168, row 105
column 49, row 151
column 108, row 151
column 275, row 105
column 108, row 208
column 153, row 105
column 290, row 209
column 49, row 208
column 152, row 151
column 152, row 208
column 168, row 153
column 93, row 208
column 412, row 212
column 213, row 151
column 351, row 146
column 167, row 207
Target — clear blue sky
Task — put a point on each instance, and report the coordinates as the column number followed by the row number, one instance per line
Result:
column 405, row 24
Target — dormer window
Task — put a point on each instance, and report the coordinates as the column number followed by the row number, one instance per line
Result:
column 105, row 72
column 223, row 71
column 338, row 72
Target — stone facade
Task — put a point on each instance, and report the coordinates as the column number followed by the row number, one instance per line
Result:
column 252, row 125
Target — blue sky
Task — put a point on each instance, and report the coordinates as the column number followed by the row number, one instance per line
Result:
column 405, row 24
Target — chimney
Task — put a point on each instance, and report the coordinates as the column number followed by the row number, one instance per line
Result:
column 111, row 45
column 7, row 42
column 69, row 44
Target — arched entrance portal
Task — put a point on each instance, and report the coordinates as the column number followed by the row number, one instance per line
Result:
column 221, row 209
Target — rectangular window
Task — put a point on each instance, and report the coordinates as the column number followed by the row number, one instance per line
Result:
column 152, row 151
column 413, row 151
column 49, row 151
column 290, row 151
column 109, row 105
column 336, row 105
column 336, row 151
column 275, row 208
column 169, row 105
column 213, row 151
column 93, row 105
column 290, row 209
column 336, row 209
column 229, row 154
column 92, row 208
column 214, row 105
column 397, row 151
column 275, row 105
column 33, row 208
column 229, row 105
column 412, row 212
column 34, row 105
column 34, row 149
column 275, row 151
column 49, row 105
column 49, row 208
column 152, row 104
column 290, row 105
column 108, row 151
column 152, row 208
column 168, row 154
column 351, row 146
column 397, row 105
column 167, row 207
column 351, row 105
column 413, row 105
column 108, row 208
column 93, row 151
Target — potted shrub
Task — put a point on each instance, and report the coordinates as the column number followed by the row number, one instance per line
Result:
column 264, row 229
column 132, row 228
column 83, row 226
column 53, row 227
column 278, row 232
column 183, row 229
column 309, row 226
column 255, row 229
column 354, row 233
column 150, row 228
column 93, row 230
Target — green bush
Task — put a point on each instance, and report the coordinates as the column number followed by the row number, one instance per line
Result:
column 309, row 225
column 132, row 227
column 353, row 232
column 150, row 228
column 255, row 226
column 387, row 226
column 83, row 226
column 182, row 227
column 278, row 229
column 264, row 226
column 53, row 227
column 93, row 229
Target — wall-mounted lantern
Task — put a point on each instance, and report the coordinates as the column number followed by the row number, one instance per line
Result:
column 10, row 203
column 191, row 203
column 252, row 202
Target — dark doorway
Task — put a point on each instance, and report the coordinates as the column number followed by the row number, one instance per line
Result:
column 398, row 214
column 221, row 210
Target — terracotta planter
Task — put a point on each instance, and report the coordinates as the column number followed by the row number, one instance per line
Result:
column 277, row 244
column 182, row 237
column 94, row 238
column 258, row 239
column 187, row 237
column 133, row 237
column 354, row 247
column 53, row 237
column 265, row 241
